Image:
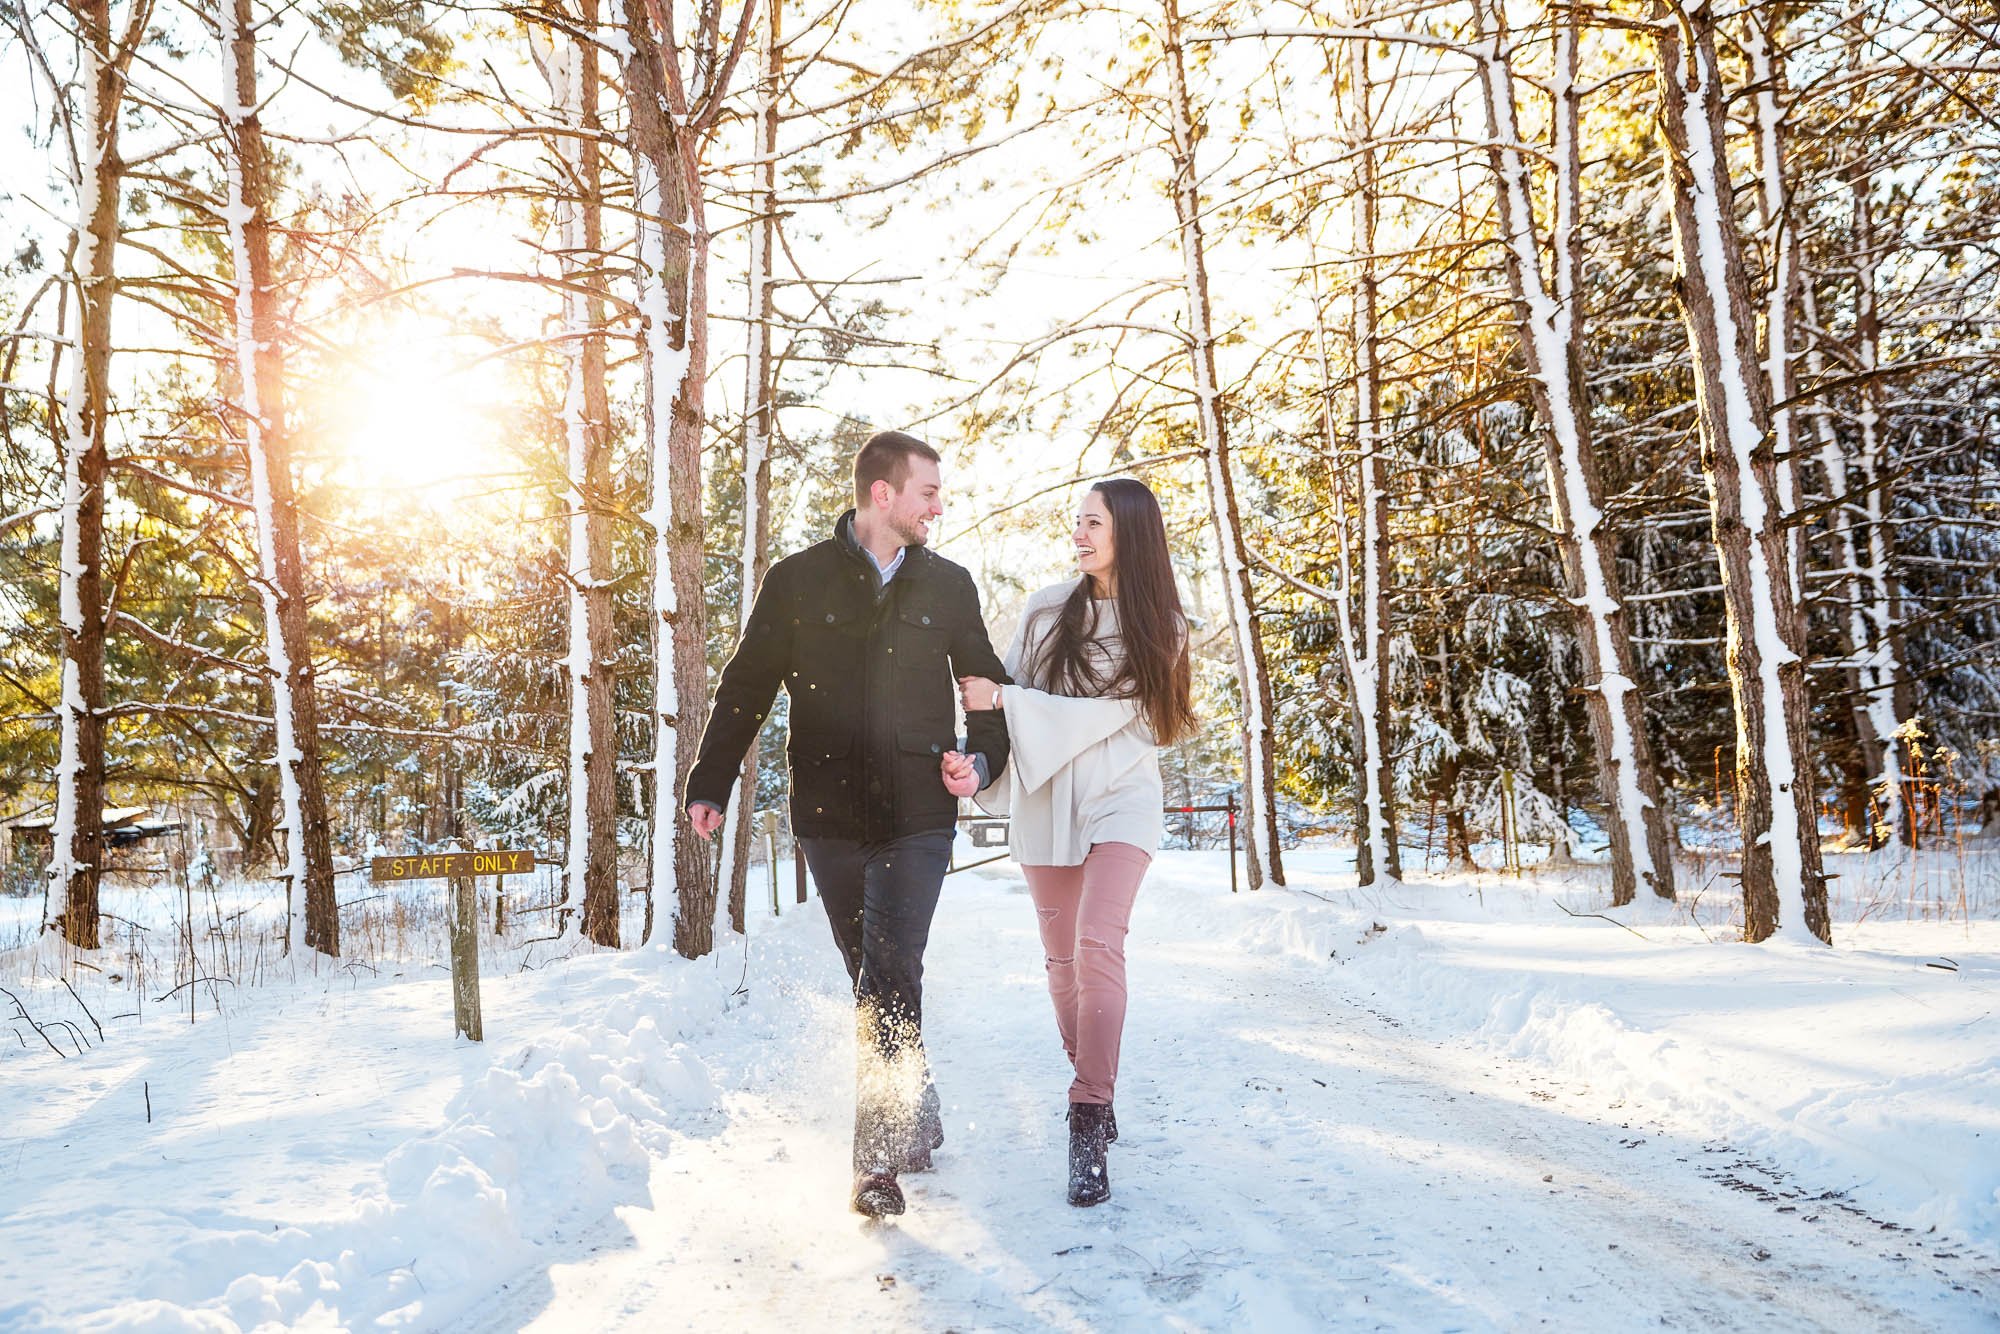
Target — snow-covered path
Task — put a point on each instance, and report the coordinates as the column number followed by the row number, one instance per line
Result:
column 1451, row 1106
column 1290, row 1158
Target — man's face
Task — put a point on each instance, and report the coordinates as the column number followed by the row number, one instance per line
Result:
column 921, row 500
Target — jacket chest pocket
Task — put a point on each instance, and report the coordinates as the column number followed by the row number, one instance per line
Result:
column 827, row 641
column 919, row 640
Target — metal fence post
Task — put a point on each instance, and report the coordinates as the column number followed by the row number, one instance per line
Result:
column 771, row 856
column 1232, row 843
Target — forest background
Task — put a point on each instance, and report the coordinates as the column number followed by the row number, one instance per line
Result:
column 1574, row 421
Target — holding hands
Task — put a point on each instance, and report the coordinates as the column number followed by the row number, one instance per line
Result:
column 961, row 778
column 978, row 694
column 705, row 818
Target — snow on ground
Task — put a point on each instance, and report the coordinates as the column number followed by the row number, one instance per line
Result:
column 1449, row 1105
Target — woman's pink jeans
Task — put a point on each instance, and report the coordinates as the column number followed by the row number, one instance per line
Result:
column 1084, row 912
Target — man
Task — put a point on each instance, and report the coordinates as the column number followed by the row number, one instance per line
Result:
column 868, row 632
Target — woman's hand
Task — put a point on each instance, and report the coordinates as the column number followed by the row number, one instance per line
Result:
column 961, row 776
column 978, row 694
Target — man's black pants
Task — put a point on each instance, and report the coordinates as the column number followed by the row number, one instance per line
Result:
column 880, row 898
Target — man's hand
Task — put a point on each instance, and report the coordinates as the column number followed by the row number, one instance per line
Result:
column 978, row 694
column 706, row 819
column 961, row 779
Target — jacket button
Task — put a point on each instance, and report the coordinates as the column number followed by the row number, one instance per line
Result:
column 829, row 618
column 927, row 620
column 936, row 748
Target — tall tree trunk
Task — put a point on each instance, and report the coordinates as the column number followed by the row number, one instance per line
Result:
column 313, row 918
column 1784, row 888
column 1867, row 711
column 1781, row 255
column 1378, row 855
column 1374, row 831
column 1457, row 836
column 673, row 305
column 77, row 833
column 1885, row 683
column 759, row 427
column 1260, row 774
column 571, row 67
column 1641, row 851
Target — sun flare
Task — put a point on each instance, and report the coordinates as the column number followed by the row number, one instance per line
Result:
column 411, row 412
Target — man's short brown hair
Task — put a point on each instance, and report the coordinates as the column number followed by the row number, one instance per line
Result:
column 886, row 458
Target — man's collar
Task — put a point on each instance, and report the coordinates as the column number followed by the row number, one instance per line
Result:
column 843, row 531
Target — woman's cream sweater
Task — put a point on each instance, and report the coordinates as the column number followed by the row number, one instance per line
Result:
column 1080, row 771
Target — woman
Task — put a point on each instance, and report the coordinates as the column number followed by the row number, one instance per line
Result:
column 1102, row 666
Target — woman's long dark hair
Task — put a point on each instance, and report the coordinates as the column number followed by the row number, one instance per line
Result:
column 1155, row 671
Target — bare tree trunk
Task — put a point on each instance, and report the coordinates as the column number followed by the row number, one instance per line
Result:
column 571, row 68
column 1781, row 248
column 1867, row 712
column 1783, row 884
column 1641, row 850
column 673, row 303
column 77, row 834
column 1457, row 837
column 1263, row 854
column 1378, row 855
column 1374, row 830
column 313, row 919
column 759, row 427
column 1885, row 683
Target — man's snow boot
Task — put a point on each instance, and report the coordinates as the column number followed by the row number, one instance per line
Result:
column 876, row 1194
column 929, row 1132
column 1089, row 1181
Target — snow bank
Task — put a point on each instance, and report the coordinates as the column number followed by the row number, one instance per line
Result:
column 553, row 1134
column 1868, row 1068
column 1863, row 1067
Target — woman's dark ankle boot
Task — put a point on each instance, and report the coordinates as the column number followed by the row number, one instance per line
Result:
column 1089, row 1181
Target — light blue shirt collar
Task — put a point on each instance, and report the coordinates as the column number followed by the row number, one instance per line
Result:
column 888, row 571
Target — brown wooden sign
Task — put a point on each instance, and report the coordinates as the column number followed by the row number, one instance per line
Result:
column 437, row 865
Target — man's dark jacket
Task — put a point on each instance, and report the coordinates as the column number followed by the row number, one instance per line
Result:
column 872, row 675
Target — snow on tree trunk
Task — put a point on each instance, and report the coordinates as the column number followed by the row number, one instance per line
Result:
column 1262, row 853
column 312, row 919
column 77, row 832
column 1781, row 251
column 591, row 875
column 759, row 425
column 673, row 314
column 1784, row 889
column 1353, row 664
column 1628, row 777
column 1884, row 681
column 1377, row 854
column 1858, row 797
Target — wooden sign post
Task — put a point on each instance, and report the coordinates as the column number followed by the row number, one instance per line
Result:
column 459, row 868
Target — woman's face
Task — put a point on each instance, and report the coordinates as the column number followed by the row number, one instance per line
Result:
column 1096, row 544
